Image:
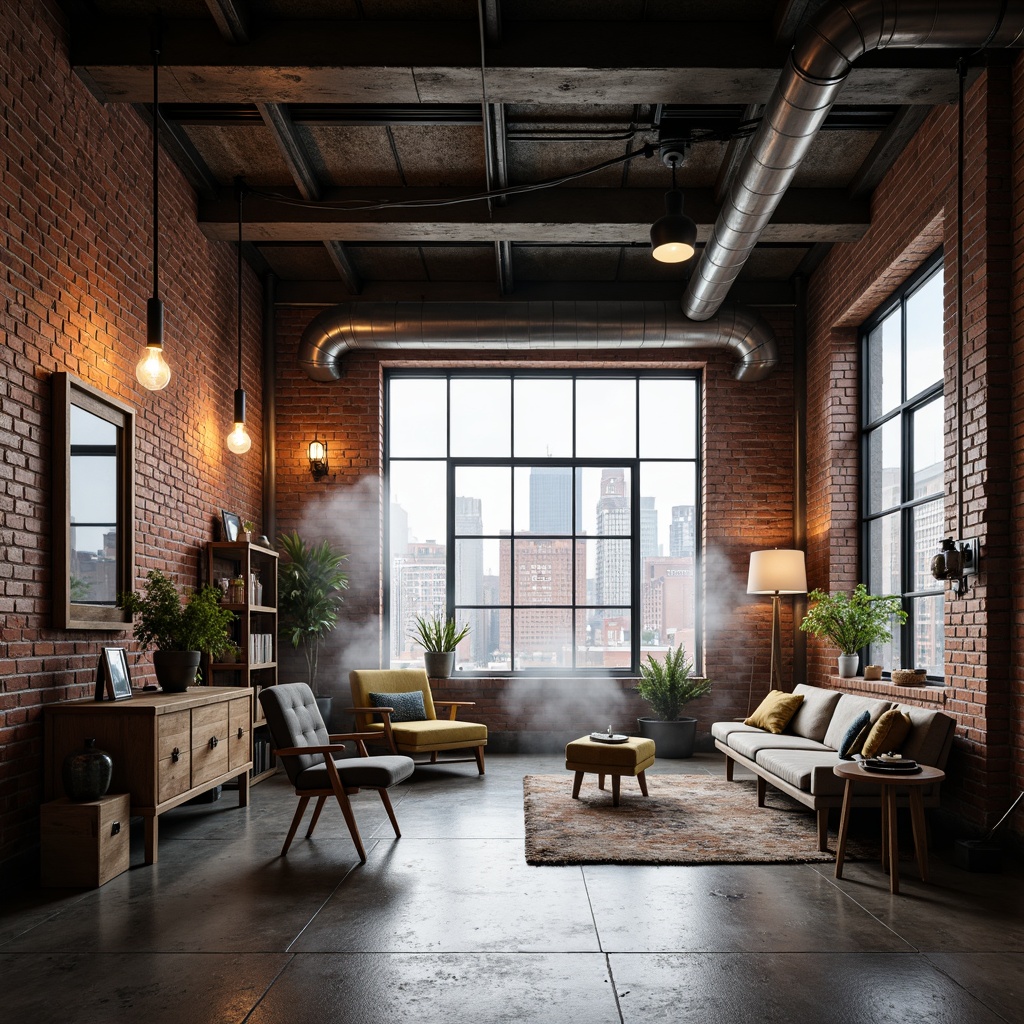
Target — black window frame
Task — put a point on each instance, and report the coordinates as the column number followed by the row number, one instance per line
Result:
column 633, row 464
column 903, row 412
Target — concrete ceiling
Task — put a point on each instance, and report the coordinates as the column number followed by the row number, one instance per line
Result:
column 334, row 112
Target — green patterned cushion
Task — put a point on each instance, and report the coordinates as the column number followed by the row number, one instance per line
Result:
column 408, row 706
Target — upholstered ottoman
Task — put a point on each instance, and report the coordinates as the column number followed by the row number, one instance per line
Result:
column 633, row 757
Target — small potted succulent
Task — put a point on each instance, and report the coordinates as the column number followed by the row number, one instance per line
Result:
column 182, row 626
column 668, row 687
column 248, row 529
column 439, row 636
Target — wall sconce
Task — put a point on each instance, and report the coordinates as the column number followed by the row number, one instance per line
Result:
column 318, row 464
column 956, row 560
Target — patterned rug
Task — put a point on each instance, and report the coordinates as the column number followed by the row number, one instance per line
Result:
column 687, row 819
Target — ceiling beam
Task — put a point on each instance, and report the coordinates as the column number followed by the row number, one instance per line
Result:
column 231, row 19
column 316, row 61
column 277, row 119
column 343, row 265
column 560, row 215
column 886, row 149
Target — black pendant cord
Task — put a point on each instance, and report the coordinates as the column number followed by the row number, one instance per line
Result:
column 241, row 196
column 156, row 172
column 961, row 70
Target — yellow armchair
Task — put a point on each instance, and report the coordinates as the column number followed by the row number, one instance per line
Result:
column 428, row 736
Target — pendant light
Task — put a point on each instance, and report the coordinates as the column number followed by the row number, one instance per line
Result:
column 238, row 440
column 152, row 370
column 674, row 236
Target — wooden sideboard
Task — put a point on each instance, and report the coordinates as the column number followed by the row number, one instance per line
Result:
column 166, row 747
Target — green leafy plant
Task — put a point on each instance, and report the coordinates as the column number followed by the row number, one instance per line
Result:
column 438, row 634
column 309, row 589
column 669, row 685
column 169, row 623
column 852, row 621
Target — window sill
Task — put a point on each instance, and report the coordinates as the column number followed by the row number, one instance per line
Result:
column 934, row 695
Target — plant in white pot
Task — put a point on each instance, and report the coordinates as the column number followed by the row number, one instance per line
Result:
column 852, row 621
column 439, row 636
column 181, row 630
column 668, row 687
column 309, row 587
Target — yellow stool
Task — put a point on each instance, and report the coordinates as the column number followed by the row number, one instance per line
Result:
column 633, row 757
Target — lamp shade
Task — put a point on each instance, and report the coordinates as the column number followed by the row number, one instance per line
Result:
column 674, row 236
column 777, row 571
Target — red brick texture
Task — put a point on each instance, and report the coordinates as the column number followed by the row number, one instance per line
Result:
column 913, row 212
column 75, row 273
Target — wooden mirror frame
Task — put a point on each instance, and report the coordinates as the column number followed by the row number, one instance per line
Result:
column 68, row 391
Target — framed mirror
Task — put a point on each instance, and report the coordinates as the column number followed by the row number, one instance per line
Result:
column 93, row 507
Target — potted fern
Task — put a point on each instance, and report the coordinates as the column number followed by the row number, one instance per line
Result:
column 668, row 686
column 438, row 636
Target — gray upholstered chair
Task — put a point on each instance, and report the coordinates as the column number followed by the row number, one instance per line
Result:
column 307, row 752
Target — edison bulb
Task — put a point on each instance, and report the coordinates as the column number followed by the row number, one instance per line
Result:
column 152, row 370
column 238, row 440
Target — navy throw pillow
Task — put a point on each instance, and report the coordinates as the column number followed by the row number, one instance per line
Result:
column 850, row 744
column 408, row 706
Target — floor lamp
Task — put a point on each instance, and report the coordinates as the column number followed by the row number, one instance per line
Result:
column 776, row 572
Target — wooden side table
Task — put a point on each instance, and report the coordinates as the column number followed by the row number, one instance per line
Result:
column 852, row 772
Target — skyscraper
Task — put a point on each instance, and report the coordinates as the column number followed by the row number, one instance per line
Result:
column 469, row 572
column 612, row 561
column 550, row 499
column 682, row 532
column 648, row 528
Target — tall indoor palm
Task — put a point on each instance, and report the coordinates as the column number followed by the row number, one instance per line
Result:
column 309, row 593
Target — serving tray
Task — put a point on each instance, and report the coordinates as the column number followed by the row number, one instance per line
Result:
column 604, row 737
column 891, row 768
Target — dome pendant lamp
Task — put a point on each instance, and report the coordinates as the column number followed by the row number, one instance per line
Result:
column 152, row 371
column 674, row 236
column 238, row 441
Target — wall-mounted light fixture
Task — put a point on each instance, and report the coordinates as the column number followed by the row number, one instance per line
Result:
column 152, row 371
column 318, row 464
column 238, row 441
column 956, row 561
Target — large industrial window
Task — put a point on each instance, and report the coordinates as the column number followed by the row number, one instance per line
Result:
column 902, row 493
column 557, row 514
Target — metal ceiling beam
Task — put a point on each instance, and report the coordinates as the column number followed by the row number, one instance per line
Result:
column 563, row 215
column 231, row 19
column 885, row 151
column 343, row 265
column 317, row 61
column 277, row 119
column 175, row 140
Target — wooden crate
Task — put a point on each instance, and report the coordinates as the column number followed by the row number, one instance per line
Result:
column 84, row 844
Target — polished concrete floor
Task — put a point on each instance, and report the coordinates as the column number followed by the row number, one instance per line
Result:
column 450, row 925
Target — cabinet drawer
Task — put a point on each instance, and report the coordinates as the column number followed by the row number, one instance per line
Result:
column 209, row 743
column 239, row 732
column 174, row 761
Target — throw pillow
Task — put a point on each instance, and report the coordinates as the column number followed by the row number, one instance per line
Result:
column 853, row 737
column 775, row 711
column 408, row 706
column 887, row 733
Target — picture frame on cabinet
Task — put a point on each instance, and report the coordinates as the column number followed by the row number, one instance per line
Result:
column 231, row 524
column 113, row 678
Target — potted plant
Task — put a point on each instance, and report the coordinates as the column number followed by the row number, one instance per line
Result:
column 439, row 636
column 852, row 621
column 668, row 687
column 309, row 589
column 181, row 630
column 248, row 528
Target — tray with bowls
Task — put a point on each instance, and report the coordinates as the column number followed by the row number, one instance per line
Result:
column 890, row 765
column 609, row 737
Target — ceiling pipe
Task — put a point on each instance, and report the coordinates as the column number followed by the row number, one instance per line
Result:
column 531, row 326
column 818, row 64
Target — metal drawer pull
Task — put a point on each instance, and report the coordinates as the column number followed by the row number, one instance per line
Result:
column 175, row 755
column 213, row 742
column 241, row 732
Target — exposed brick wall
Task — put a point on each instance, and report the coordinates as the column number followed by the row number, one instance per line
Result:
column 748, row 503
column 914, row 211
column 75, row 273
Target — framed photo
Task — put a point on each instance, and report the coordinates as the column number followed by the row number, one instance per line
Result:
column 113, row 681
column 232, row 524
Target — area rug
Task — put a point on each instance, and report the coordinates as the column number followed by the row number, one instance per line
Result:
column 687, row 819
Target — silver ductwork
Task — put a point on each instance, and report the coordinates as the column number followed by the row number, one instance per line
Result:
column 821, row 58
column 531, row 326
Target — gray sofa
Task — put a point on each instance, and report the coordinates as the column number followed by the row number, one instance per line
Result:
column 799, row 760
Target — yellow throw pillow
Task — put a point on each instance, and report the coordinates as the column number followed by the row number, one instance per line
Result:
column 887, row 733
column 775, row 711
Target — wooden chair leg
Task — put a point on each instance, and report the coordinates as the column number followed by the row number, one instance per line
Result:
column 642, row 779
column 386, row 801
column 346, row 807
column 296, row 818
column 616, row 779
column 576, row 783
column 320, row 801
column 600, row 780
column 479, row 752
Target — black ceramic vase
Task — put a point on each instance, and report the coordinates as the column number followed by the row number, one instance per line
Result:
column 86, row 773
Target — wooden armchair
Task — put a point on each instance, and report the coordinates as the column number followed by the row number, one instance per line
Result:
column 427, row 735
column 308, row 752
